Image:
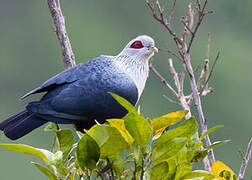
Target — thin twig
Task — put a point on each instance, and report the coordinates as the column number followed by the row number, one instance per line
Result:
column 171, row 52
column 188, row 21
column 186, row 25
column 162, row 79
column 162, row 20
column 205, row 69
column 170, row 100
column 241, row 153
column 202, row 73
column 182, row 76
column 181, row 96
column 201, row 14
column 172, row 12
column 245, row 161
column 210, row 74
column 60, row 28
column 175, row 76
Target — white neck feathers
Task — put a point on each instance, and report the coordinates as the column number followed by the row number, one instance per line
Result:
column 136, row 68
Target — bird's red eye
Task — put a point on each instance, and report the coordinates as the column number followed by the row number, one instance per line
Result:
column 137, row 45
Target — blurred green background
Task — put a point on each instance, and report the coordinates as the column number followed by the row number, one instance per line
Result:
column 30, row 54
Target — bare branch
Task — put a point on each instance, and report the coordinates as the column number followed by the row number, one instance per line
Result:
column 179, row 85
column 204, row 71
column 185, row 22
column 171, row 52
column 191, row 14
column 201, row 14
column 162, row 20
column 188, row 21
column 182, row 76
column 170, row 100
column 245, row 161
column 172, row 12
column 198, row 105
column 60, row 29
column 162, row 79
column 175, row 76
column 210, row 74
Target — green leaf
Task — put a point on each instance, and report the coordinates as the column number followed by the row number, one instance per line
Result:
column 209, row 131
column 123, row 102
column 159, row 124
column 45, row 171
column 182, row 170
column 109, row 139
column 217, row 143
column 138, row 127
column 159, row 171
column 186, row 129
column 88, row 152
column 45, row 155
column 164, row 151
column 65, row 141
column 51, row 126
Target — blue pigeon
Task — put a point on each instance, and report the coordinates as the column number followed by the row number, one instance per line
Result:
column 79, row 95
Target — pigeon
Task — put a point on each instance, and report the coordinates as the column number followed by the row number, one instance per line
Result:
column 80, row 95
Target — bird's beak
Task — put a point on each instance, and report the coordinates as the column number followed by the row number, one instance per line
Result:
column 155, row 49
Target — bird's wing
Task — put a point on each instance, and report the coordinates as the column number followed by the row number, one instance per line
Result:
column 67, row 76
column 87, row 96
column 77, row 101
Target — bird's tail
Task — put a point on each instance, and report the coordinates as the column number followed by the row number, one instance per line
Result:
column 20, row 124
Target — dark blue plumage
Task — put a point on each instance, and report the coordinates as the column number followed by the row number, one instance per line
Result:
column 80, row 96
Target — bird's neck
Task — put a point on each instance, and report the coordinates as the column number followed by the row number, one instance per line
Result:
column 135, row 67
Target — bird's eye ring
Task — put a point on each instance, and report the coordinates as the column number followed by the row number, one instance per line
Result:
column 137, row 45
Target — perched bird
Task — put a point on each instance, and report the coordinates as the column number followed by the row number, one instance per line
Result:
column 79, row 95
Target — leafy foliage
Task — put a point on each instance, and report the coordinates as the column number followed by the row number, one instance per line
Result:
column 129, row 148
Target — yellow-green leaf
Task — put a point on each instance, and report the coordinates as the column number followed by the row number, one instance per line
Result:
column 209, row 131
column 118, row 165
column 45, row 171
column 51, row 126
column 220, row 171
column 106, row 137
column 123, row 102
column 64, row 139
column 217, row 143
column 88, row 152
column 182, row 170
column 138, row 127
column 119, row 125
column 159, row 171
column 186, row 129
column 166, row 150
column 199, row 174
column 45, row 155
column 159, row 124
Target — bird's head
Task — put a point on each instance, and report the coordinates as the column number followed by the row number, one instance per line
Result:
column 133, row 60
column 142, row 47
